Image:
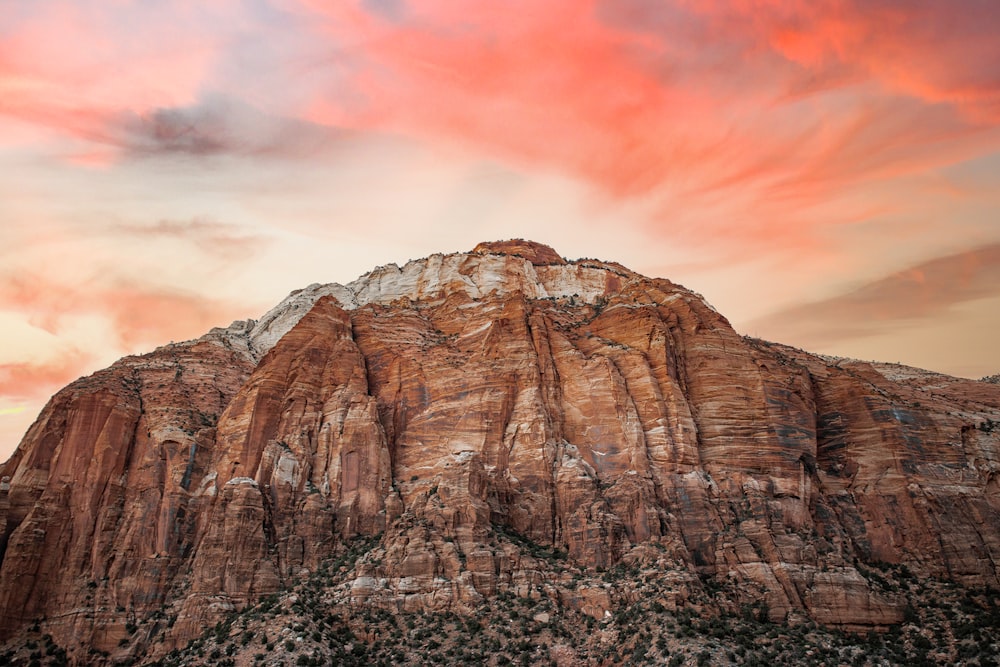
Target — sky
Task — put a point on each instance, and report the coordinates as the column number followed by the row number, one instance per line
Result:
column 825, row 172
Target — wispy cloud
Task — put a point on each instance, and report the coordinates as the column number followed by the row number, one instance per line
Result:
column 139, row 313
column 31, row 381
column 228, row 242
column 66, row 60
column 688, row 103
column 201, row 80
column 124, row 271
column 918, row 294
column 214, row 126
column 743, row 115
column 937, row 52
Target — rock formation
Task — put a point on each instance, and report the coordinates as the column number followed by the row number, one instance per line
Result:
column 466, row 407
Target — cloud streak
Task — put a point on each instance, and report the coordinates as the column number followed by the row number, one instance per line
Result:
column 923, row 292
column 31, row 381
column 215, row 126
column 749, row 109
column 227, row 242
column 687, row 103
column 140, row 314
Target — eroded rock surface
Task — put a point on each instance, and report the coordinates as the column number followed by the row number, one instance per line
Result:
column 572, row 406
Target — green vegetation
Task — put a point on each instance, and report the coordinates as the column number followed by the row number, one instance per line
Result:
column 551, row 554
column 647, row 623
column 943, row 624
column 514, row 630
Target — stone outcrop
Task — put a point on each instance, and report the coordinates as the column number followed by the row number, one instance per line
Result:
column 101, row 502
column 536, row 253
column 467, row 409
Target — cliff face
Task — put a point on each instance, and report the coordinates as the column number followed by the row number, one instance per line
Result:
column 465, row 398
column 100, row 506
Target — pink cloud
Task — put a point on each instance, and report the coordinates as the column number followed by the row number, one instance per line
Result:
column 935, row 51
column 35, row 381
column 539, row 83
column 722, row 110
column 75, row 56
column 773, row 106
column 932, row 51
column 72, row 68
column 920, row 292
column 693, row 99
column 140, row 314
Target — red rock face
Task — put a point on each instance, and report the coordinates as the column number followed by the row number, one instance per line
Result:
column 301, row 460
column 101, row 512
column 536, row 253
column 577, row 405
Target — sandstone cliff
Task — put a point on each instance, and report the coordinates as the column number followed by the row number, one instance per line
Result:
column 468, row 409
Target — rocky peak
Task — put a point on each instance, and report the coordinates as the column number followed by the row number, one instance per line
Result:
column 538, row 254
column 573, row 433
column 497, row 267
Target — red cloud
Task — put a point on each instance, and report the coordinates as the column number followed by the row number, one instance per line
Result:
column 756, row 109
column 141, row 315
column 687, row 98
column 938, row 52
column 539, row 82
column 221, row 240
column 762, row 107
column 31, row 382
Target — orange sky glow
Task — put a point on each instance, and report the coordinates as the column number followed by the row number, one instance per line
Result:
column 825, row 172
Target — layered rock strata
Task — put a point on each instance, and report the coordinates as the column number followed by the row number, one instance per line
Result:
column 573, row 405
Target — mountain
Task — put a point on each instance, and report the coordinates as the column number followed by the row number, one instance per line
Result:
column 491, row 426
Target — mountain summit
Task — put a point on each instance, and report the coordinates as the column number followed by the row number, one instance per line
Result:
column 491, row 425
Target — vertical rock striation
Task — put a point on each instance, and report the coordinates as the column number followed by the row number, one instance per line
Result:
column 575, row 405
